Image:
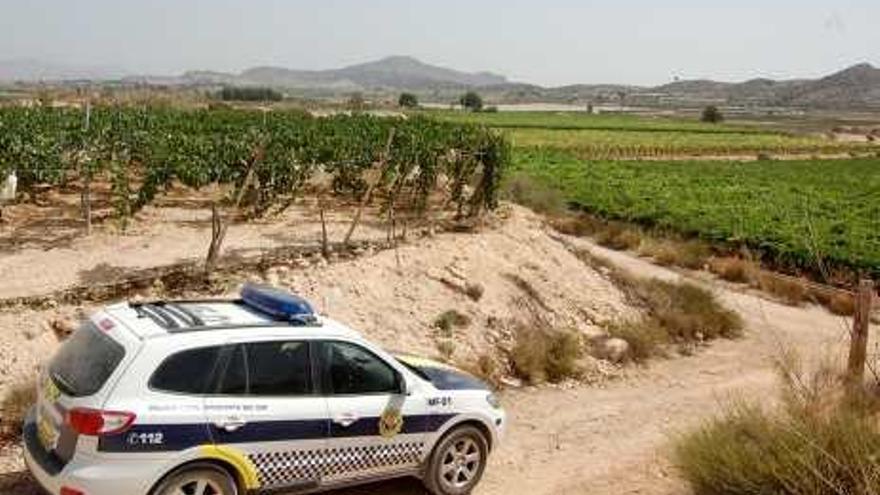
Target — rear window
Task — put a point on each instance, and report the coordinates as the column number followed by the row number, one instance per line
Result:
column 85, row 362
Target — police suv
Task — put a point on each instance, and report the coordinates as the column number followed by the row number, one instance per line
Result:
column 252, row 395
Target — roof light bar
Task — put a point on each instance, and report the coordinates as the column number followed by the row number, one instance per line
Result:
column 277, row 303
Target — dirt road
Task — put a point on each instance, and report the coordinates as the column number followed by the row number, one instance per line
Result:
column 611, row 439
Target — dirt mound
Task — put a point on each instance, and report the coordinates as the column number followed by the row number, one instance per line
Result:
column 396, row 296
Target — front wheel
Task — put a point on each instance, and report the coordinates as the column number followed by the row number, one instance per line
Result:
column 457, row 463
column 198, row 480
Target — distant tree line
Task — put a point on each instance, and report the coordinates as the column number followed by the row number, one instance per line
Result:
column 249, row 93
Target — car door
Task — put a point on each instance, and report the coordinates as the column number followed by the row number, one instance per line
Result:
column 375, row 428
column 265, row 408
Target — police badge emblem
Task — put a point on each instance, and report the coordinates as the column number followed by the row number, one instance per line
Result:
column 390, row 423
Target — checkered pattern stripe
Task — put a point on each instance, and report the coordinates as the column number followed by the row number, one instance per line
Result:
column 285, row 468
column 360, row 460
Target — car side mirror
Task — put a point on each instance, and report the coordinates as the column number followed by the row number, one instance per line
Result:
column 403, row 386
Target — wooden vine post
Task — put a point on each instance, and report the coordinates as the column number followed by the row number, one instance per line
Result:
column 86, row 172
column 858, row 350
column 218, row 226
column 383, row 164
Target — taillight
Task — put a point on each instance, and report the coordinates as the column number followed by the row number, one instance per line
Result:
column 93, row 422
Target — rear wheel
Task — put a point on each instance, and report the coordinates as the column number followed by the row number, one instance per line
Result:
column 198, row 479
column 457, row 463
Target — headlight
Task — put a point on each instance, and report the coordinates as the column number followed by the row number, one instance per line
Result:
column 493, row 401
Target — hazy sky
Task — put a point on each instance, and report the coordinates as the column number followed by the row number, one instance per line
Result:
column 549, row 42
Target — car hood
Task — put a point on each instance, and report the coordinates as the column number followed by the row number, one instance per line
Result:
column 442, row 375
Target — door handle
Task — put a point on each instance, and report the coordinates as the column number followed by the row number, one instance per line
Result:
column 345, row 420
column 231, row 424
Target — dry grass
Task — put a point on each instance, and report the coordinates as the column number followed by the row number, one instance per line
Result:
column 617, row 237
column 542, row 354
column 446, row 349
column 578, row 225
column 685, row 311
column 819, row 442
column 842, row 304
column 733, row 269
column 14, row 407
column 687, row 254
column 790, row 291
column 646, row 338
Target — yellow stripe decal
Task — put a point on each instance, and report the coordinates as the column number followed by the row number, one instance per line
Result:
column 238, row 460
column 425, row 362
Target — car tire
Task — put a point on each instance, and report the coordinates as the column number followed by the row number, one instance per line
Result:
column 197, row 479
column 457, row 463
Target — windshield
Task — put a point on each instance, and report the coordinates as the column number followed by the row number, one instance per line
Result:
column 85, row 362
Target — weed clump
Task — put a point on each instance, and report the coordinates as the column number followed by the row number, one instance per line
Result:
column 450, row 320
column 646, row 338
column 820, row 441
column 543, row 354
column 842, row 304
column 732, row 269
column 14, row 407
column 790, row 291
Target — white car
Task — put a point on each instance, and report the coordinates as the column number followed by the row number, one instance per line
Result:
column 253, row 395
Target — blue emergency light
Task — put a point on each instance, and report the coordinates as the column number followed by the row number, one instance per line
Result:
column 278, row 304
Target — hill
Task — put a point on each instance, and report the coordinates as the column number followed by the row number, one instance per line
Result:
column 396, row 72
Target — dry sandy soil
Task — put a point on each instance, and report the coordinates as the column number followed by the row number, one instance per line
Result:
column 609, row 437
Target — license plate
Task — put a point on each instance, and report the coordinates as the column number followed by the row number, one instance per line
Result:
column 47, row 433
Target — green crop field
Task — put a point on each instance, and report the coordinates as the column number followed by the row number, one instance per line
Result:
column 613, row 136
column 795, row 212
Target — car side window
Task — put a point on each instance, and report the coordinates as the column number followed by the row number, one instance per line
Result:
column 350, row 369
column 281, row 368
column 186, row 372
column 233, row 380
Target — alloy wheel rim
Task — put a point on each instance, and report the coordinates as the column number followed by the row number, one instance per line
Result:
column 460, row 463
column 199, row 486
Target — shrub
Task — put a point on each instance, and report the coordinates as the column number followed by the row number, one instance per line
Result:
column 451, row 319
column 689, row 312
column 19, row 398
column 817, row 443
column 842, row 304
column 732, row 269
column 471, row 101
column 408, row 100
column 712, row 115
column 646, row 338
column 543, row 354
column 233, row 93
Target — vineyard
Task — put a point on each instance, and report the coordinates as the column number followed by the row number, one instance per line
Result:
column 614, row 137
column 593, row 144
column 266, row 157
column 804, row 215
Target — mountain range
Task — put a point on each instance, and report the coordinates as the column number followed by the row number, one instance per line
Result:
column 854, row 87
